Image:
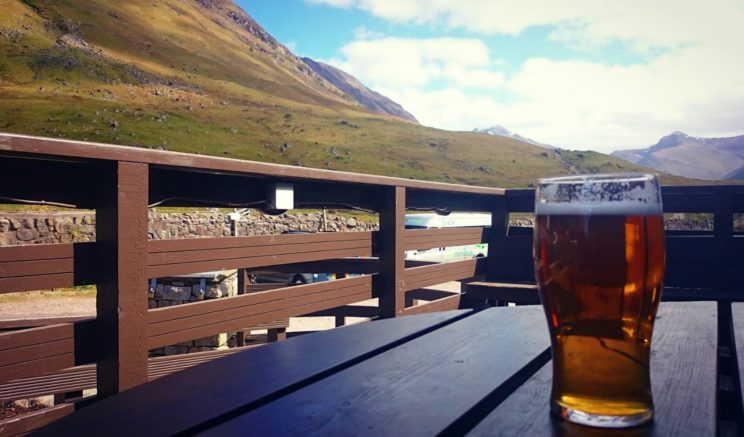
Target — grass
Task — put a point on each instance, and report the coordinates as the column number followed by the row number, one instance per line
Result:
column 85, row 291
column 174, row 75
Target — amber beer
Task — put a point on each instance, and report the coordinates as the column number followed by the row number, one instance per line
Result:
column 599, row 261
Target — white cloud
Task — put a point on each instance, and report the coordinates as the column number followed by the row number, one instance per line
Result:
column 336, row 3
column 658, row 22
column 448, row 83
column 400, row 63
column 362, row 32
column 695, row 84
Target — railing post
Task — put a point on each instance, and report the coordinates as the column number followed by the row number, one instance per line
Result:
column 392, row 253
column 723, row 216
column 242, row 284
column 121, row 303
column 497, row 235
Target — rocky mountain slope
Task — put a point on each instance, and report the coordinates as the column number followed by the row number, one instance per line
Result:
column 351, row 86
column 201, row 76
column 693, row 157
column 736, row 174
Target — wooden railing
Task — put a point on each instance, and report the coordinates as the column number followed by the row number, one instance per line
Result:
column 119, row 183
column 700, row 264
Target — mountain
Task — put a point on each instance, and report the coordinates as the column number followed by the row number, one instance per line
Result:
column 351, row 86
column 202, row 76
column 501, row 131
column 736, row 174
column 693, row 157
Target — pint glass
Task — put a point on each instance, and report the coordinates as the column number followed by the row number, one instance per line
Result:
column 599, row 263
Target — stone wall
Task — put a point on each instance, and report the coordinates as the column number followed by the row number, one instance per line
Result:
column 178, row 291
column 46, row 228
column 67, row 227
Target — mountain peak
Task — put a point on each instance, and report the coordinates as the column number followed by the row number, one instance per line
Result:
column 683, row 155
column 496, row 130
column 672, row 140
column 353, row 87
column 500, row 131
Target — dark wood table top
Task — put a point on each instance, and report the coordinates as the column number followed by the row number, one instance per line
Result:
column 459, row 372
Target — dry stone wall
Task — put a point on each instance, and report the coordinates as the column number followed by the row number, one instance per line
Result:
column 66, row 227
column 178, row 291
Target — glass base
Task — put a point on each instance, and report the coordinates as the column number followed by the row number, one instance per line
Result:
column 600, row 420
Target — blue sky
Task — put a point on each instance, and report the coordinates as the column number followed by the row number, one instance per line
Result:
column 593, row 74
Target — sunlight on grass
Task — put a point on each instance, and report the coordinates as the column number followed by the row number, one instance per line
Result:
column 84, row 291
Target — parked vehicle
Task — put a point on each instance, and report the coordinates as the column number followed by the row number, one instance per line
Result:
column 274, row 277
column 266, row 276
column 454, row 220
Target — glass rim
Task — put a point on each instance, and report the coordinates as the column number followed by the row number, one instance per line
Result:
column 598, row 178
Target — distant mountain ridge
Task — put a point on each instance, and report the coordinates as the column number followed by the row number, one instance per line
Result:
column 695, row 157
column 353, row 87
column 736, row 174
column 501, row 131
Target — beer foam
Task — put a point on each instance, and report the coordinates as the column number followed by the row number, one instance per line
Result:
column 599, row 195
column 598, row 208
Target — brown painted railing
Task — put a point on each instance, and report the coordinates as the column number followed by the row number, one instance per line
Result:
column 119, row 183
column 700, row 264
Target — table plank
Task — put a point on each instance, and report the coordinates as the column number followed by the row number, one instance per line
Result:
column 683, row 379
column 418, row 388
column 243, row 380
column 737, row 318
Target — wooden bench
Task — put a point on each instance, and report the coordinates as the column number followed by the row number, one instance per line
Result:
column 700, row 265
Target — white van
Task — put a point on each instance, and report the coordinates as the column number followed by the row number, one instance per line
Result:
column 454, row 220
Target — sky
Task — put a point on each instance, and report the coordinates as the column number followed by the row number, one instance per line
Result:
column 578, row 74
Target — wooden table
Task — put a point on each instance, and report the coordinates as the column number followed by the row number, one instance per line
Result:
column 460, row 372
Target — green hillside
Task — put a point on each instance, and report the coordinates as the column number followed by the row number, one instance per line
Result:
column 201, row 76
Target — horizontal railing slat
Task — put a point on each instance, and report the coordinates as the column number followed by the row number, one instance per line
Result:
column 166, row 258
column 9, row 269
column 424, row 276
column 293, row 309
column 36, row 252
column 166, row 324
column 32, row 352
column 444, row 304
column 252, row 262
column 35, row 351
column 691, row 199
column 178, row 312
column 705, row 250
column 39, row 146
column 40, row 282
column 248, row 308
column 40, row 366
column 44, row 266
column 340, row 265
column 200, row 244
column 34, row 336
column 430, row 238
column 38, row 351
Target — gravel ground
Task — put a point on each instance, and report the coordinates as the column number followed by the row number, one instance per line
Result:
column 41, row 307
column 35, row 305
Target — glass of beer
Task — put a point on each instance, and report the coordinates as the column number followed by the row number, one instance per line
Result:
column 599, row 263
